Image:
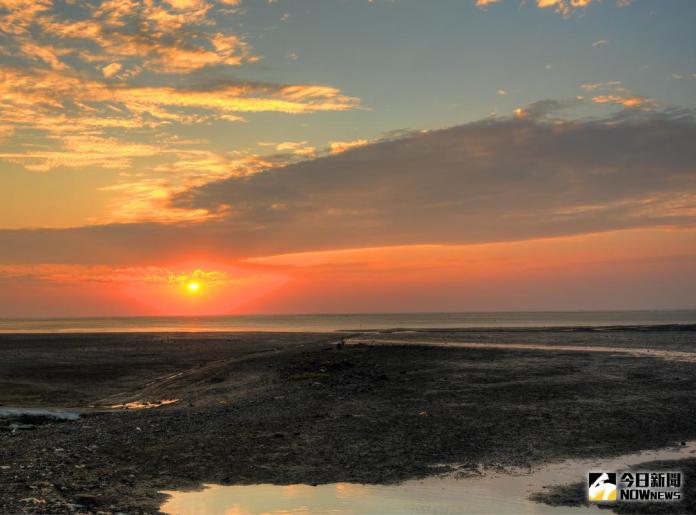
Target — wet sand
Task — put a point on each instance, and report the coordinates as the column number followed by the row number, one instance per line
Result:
column 630, row 351
column 292, row 408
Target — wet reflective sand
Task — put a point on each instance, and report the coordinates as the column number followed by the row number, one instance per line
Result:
column 491, row 494
column 634, row 352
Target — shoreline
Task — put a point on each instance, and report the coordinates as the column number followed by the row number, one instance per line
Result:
column 654, row 327
column 290, row 408
column 360, row 322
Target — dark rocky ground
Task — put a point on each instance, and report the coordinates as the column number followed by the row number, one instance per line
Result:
column 291, row 408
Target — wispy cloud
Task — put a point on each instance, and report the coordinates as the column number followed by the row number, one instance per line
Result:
column 166, row 36
column 564, row 7
column 71, row 274
column 45, row 99
column 336, row 147
column 78, row 123
column 626, row 101
column 102, row 84
column 81, row 151
column 614, row 92
column 296, row 148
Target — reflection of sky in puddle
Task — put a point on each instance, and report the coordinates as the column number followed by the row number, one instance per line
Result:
column 144, row 404
column 496, row 494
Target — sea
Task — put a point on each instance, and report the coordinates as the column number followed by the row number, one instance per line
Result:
column 351, row 322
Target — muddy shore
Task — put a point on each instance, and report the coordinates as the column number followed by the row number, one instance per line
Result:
column 292, row 408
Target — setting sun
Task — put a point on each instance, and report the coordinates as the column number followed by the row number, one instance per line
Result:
column 193, row 287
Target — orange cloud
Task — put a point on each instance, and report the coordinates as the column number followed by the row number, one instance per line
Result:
column 614, row 92
column 20, row 14
column 176, row 36
column 43, row 94
column 82, row 119
column 81, row 151
column 76, row 111
column 336, row 147
column 291, row 100
column 565, row 7
column 298, row 148
column 111, row 69
column 624, row 101
column 148, row 200
column 46, row 53
column 148, row 197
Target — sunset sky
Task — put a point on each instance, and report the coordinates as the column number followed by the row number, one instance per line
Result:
column 316, row 156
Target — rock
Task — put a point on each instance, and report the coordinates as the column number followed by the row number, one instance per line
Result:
column 87, row 499
column 33, row 500
column 22, row 427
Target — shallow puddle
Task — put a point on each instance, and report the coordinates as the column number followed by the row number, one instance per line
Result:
column 144, row 404
column 490, row 494
column 12, row 413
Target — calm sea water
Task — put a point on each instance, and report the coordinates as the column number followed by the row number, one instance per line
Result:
column 321, row 323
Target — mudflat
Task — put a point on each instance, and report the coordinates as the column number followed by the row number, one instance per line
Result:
column 243, row 408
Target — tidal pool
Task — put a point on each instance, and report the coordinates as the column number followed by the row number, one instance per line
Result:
column 495, row 494
column 54, row 414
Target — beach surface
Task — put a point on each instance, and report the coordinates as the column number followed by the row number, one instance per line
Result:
column 175, row 411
